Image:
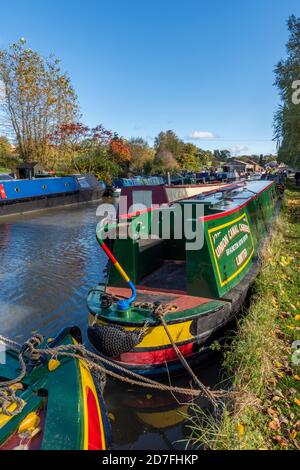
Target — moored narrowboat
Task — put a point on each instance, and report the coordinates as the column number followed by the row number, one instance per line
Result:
column 57, row 405
column 196, row 280
column 23, row 195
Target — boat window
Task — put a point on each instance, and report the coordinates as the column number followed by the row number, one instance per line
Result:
column 17, row 190
column 66, row 185
column 44, row 186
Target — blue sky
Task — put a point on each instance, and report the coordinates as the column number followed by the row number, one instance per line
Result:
column 201, row 68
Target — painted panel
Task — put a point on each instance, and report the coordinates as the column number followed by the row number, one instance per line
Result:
column 232, row 248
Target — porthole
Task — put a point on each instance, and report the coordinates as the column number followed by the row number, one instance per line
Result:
column 66, row 185
column 17, row 190
column 44, row 186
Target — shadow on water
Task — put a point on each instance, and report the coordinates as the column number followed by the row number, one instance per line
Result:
column 49, row 261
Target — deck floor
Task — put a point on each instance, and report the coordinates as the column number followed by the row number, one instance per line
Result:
column 181, row 300
column 170, row 276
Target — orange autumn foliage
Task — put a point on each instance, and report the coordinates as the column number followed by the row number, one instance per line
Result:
column 120, row 150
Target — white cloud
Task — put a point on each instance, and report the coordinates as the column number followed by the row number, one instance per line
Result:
column 202, row 135
column 238, row 149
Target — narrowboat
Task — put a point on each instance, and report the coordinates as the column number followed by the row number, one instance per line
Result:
column 191, row 261
column 119, row 183
column 58, row 405
column 23, row 195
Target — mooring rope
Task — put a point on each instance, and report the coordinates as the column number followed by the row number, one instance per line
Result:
column 8, row 398
column 160, row 310
column 160, row 313
column 94, row 362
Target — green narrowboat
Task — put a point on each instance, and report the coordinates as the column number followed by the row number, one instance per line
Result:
column 57, row 405
column 197, row 278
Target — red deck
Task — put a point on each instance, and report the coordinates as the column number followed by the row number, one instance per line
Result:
column 147, row 294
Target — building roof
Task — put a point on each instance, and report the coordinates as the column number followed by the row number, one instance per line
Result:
column 253, row 162
column 27, row 165
column 235, row 160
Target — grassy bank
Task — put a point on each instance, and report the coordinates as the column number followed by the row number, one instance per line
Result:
column 261, row 361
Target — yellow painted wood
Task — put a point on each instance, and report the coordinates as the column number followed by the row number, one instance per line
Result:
column 156, row 335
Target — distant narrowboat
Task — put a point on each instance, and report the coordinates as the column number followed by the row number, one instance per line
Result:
column 23, row 195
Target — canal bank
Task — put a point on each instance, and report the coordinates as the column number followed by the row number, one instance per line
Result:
column 262, row 363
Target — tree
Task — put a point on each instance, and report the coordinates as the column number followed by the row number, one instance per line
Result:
column 225, row 154
column 168, row 141
column 142, row 155
column 37, row 96
column 97, row 150
column 7, row 158
column 222, row 155
column 188, row 159
column 5, row 147
column 287, row 117
column 164, row 161
column 69, row 140
column 205, row 157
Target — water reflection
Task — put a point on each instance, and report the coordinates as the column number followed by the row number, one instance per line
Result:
column 49, row 262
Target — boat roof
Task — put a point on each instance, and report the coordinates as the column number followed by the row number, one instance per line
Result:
column 230, row 199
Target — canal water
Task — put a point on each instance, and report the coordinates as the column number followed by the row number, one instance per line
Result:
column 49, row 261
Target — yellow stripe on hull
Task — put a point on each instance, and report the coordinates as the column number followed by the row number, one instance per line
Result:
column 156, row 335
column 88, row 382
column 4, row 419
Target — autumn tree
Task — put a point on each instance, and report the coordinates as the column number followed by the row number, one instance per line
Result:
column 164, row 161
column 170, row 142
column 205, row 157
column 287, row 117
column 142, row 155
column 37, row 96
column 5, row 147
column 68, row 140
column 8, row 159
column 86, row 150
column 188, row 158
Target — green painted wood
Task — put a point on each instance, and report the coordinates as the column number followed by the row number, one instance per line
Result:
column 62, row 398
column 211, row 271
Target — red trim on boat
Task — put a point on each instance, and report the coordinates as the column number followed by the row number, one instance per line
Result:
column 159, row 356
column 232, row 211
column 94, row 433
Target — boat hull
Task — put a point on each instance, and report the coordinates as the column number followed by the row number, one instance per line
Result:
column 20, row 196
column 64, row 409
column 199, row 328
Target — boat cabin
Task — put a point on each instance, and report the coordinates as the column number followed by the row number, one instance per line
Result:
column 199, row 245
